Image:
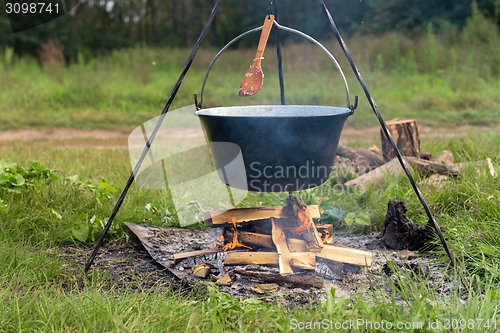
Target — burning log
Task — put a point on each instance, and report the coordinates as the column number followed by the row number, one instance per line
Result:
column 330, row 252
column 217, row 218
column 303, row 260
column 266, row 241
column 279, row 240
column 306, row 227
column 235, row 242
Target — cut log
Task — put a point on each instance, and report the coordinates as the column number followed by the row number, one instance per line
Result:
column 427, row 168
column 376, row 176
column 344, row 151
column 393, row 168
column 305, row 224
column 216, row 218
column 364, row 159
column 262, row 274
column 303, row 260
column 279, row 240
column 445, row 157
column 405, row 134
column 373, row 159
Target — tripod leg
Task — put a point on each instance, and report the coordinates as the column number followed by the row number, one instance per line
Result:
column 153, row 135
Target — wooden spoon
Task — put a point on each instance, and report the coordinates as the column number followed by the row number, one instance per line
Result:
column 254, row 77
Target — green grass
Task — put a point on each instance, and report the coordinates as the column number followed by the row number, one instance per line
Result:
column 40, row 290
column 126, row 88
column 47, row 229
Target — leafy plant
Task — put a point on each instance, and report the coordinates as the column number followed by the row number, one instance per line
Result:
column 14, row 177
column 357, row 219
column 90, row 229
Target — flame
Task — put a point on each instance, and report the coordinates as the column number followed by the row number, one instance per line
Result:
column 326, row 237
column 305, row 223
column 235, row 242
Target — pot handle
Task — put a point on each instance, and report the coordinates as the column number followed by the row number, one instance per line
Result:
column 349, row 105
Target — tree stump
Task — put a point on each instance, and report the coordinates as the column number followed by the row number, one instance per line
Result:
column 405, row 134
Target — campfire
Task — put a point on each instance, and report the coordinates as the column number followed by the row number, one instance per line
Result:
column 270, row 244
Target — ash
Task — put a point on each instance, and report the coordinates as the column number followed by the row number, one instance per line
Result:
column 147, row 262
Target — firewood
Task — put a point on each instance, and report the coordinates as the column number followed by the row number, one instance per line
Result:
column 263, row 274
column 373, row 159
column 344, row 151
column 376, row 176
column 405, row 135
column 427, row 168
column 346, row 255
column 364, row 159
column 394, row 169
column 306, row 227
column 262, row 240
column 444, row 157
column 333, row 252
column 304, row 260
column 216, row 218
column 280, row 241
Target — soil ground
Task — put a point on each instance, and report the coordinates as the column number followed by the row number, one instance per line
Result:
column 71, row 138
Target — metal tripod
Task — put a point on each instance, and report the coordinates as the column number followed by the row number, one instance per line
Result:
column 273, row 8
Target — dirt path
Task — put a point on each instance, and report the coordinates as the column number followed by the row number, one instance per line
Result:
column 71, row 138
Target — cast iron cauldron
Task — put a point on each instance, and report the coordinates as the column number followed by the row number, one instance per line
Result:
column 284, row 147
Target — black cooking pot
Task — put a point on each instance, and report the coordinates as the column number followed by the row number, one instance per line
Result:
column 284, row 147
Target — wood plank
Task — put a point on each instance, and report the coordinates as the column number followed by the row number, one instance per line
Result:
column 253, row 238
column 304, row 260
column 216, row 218
column 280, row 241
column 180, row 256
column 346, row 255
column 332, row 252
